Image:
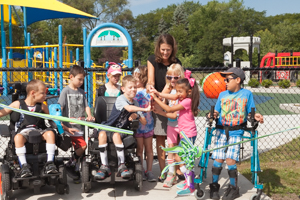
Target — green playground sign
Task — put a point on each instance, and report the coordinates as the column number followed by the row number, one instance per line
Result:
column 109, row 37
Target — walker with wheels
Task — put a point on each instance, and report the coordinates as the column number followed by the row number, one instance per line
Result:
column 255, row 166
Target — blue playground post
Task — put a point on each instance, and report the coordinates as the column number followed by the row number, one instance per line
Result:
column 77, row 55
column 10, row 32
column 3, row 39
column 86, row 65
column 29, row 61
column 71, row 57
column 60, row 55
column 25, row 27
column 106, row 66
column 55, row 66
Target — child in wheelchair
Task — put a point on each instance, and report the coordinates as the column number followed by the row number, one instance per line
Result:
column 125, row 110
column 74, row 105
column 21, row 125
column 233, row 106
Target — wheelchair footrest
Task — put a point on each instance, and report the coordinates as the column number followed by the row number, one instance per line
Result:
column 49, row 175
column 15, row 179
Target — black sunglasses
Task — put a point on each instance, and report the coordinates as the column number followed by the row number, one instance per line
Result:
column 170, row 77
column 228, row 79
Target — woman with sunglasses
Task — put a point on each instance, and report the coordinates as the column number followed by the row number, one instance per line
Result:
column 157, row 64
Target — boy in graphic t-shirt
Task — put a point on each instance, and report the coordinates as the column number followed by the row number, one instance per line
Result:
column 233, row 106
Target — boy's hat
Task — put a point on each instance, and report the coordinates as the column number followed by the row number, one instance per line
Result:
column 114, row 69
column 234, row 70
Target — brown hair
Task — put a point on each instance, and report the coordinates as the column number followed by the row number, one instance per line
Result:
column 195, row 94
column 126, row 79
column 167, row 39
column 34, row 85
column 76, row 69
column 143, row 71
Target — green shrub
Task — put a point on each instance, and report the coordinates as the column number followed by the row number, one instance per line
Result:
column 284, row 83
column 253, row 82
column 201, row 82
column 298, row 83
column 267, row 83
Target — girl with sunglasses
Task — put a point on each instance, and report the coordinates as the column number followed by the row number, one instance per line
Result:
column 174, row 73
column 188, row 95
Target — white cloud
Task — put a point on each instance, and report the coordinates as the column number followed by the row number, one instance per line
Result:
column 141, row 2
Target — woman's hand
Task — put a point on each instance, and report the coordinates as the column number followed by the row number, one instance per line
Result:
column 258, row 117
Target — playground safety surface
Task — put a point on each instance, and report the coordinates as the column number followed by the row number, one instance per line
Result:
column 150, row 191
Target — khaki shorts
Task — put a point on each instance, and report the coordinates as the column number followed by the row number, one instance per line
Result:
column 26, row 132
column 160, row 124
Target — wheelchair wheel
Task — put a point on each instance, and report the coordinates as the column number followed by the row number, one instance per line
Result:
column 255, row 197
column 86, row 184
column 138, row 181
column 62, row 187
column 5, row 186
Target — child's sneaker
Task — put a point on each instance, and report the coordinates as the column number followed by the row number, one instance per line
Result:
column 185, row 192
column 150, row 176
column 181, row 186
column 170, row 180
column 144, row 176
column 103, row 172
column 214, row 191
column 123, row 171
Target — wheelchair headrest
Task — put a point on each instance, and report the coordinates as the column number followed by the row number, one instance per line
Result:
column 103, row 108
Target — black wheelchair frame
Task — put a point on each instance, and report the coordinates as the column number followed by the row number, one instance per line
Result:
column 92, row 161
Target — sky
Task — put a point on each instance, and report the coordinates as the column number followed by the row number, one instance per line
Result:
column 272, row 7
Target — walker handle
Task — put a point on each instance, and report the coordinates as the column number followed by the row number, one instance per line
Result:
column 252, row 116
column 212, row 110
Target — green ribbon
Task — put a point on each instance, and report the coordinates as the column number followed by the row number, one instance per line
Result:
column 188, row 152
column 66, row 119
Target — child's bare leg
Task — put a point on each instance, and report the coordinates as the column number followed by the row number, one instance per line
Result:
column 149, row 152
column 79, row 152
column 102, row 138
column 120, row 147
column 50, row 144
column 140, row 147
column 20, row 148
column 161, row 155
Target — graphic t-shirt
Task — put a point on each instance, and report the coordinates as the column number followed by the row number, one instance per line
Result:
column 74, row 103
column 186, row 120
column 173, row 122
column 143, row 98
column 234, row 108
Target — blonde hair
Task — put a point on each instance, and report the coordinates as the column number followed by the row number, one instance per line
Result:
column 174, row 69
column 34, row 85
column 126, row 79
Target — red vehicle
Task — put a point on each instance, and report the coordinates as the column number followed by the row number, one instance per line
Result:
column 281, row 60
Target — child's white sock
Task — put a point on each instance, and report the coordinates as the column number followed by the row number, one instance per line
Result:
column 21, row 151
column 172, row 168
column 103, row 154
column 50, row 148
column 120, row 153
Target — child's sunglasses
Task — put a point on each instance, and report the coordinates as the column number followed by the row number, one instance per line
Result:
column 170, row 77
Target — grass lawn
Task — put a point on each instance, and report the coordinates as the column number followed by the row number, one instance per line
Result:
column 280, row 171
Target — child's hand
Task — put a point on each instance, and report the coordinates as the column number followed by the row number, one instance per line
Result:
column 153, row 90
column 216, row 114
column 258, row 117
column 72, row 130
column 90, row 118
column 149, row 108
column 133, row 116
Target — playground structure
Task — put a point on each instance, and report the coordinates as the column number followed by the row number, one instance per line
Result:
column 246, row 43
column 58, row 56
column 286, row 61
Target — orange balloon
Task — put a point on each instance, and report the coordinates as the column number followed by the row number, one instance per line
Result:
column 213, row 84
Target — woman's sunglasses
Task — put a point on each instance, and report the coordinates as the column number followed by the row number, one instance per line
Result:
column 170, row 77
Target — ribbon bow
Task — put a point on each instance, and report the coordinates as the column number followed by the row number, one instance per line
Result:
column 187, row 152
column 187, row 74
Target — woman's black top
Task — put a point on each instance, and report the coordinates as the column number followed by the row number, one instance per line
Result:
column 160, row 72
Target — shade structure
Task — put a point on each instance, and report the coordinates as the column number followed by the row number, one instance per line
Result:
column 6, row 16
column 38, row 10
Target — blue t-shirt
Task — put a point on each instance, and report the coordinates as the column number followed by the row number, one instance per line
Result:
column 143, row 98
column 234, row 108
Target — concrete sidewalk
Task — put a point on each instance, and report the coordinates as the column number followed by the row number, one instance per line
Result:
column 126, row 190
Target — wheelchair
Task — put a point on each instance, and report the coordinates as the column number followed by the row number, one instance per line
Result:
column 91, row 162
column 36, row 157
column 255, row 165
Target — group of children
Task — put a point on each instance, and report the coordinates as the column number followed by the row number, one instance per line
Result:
column 178, row 102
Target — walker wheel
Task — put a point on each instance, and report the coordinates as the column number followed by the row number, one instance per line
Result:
column 255, row 197
column 199, row 194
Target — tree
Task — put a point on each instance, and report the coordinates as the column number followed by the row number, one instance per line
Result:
column 162, row 26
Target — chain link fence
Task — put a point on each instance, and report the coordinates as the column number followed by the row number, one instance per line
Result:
column 278, row 102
